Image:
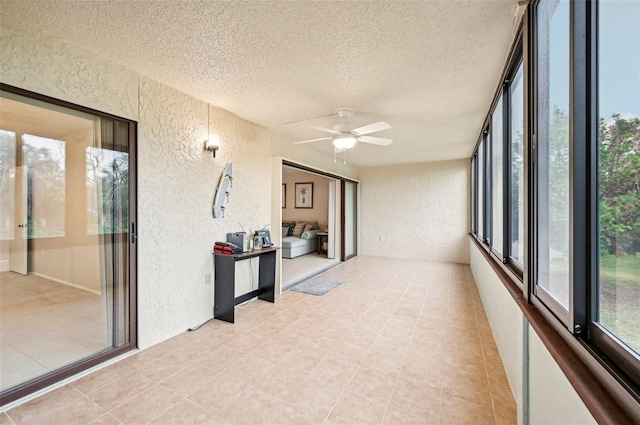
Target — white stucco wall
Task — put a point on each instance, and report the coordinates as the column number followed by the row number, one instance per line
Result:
column 552, row 399
column 176, row 178
column 417, row 211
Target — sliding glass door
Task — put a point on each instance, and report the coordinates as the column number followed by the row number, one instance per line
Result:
column 350, row 219
column 67, row 216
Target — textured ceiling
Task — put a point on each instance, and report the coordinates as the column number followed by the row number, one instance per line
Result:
column 428, row 68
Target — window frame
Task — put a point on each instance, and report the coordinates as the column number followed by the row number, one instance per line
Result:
column 615, row 368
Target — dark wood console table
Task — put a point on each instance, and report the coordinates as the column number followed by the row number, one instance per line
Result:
column 225, row 281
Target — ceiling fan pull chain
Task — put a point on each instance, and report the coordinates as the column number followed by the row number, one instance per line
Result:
column 345, row 156
column 334, row 154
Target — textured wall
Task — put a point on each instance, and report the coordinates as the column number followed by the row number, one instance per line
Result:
column 34, row 60
column 177, row 182
column 176, row 179
column 552, row 399
column 416, row 211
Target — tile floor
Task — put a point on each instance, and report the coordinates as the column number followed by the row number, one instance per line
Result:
column 45, row 325
column 295, row 269
column 400, row 342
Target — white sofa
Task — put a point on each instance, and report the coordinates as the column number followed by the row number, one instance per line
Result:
column 293, row 246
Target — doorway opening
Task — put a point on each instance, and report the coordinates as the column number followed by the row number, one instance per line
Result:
column 67, row 240
column 319, row 228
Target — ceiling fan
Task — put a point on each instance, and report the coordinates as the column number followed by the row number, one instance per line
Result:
column 345, row 135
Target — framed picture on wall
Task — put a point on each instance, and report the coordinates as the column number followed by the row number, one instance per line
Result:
column 304, row 195
column 284, row 195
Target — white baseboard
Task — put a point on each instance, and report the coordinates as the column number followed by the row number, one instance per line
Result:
column 64, row 282
column 4, row 266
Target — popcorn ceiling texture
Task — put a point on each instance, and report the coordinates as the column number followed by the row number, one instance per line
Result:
column 176, row 177
column 429, row 68
column 416, row 211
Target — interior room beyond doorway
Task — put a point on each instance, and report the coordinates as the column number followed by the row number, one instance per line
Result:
column 309, row 218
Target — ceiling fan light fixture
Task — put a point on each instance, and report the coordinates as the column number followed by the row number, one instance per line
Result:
column 344, row 142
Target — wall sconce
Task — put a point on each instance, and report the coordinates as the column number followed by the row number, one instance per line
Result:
column 212, row 144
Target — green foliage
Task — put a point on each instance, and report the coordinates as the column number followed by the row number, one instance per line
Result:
column 619, row 185
column 559, row 181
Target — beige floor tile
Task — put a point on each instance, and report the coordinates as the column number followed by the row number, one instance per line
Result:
column 272, row 350
column 165, row 366
column 335, row 370
column 249, row 368
column 417, row 399
column 33, row 411
column 289, row 414
column 302, row 359
column 385, row 347
column 218, row 421
column 4, row 419
column 281, row 381
column 252, row 407
column 120, row 390
column 246, row 342
column 321, row 344
column 222, row 357
column 106, row 419
column 187, row 380
column 185, row 412
column 460, row 411
column 357, row 409
column 102, row 377
column 79, row 411
column 317, row 396
column 396, row 416
column 146, row 406
column 219, row 393
column 473, row 388
column 372, row 384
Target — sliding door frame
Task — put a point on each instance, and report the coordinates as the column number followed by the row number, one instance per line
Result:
column 58, row 375
column 342, row 181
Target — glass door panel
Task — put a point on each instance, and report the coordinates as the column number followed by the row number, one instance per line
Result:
column 350, row 216
column 72, row 305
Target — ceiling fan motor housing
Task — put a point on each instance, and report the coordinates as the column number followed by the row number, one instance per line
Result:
column 344, row 127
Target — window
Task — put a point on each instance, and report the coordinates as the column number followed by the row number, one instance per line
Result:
column 45, row 160
column 497, row 223
column 474, row 192
column 552, row 171
column 516, row 162
column 575, row 159
column 107, row 189
column 618, row 190
column 7, row 184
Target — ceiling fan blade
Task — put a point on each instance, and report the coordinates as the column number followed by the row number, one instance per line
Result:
column 325, row 129
column 372, row 128
column 312, row 140
column 375, row 140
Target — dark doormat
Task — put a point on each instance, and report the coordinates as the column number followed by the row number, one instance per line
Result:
column 317, row 285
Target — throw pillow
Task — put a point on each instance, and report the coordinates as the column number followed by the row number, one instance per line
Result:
column 289, row 225
column 285, row 230
column 298, row 229
column 307, row 227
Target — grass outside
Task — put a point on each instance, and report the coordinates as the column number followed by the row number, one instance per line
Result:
column 620, row 297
